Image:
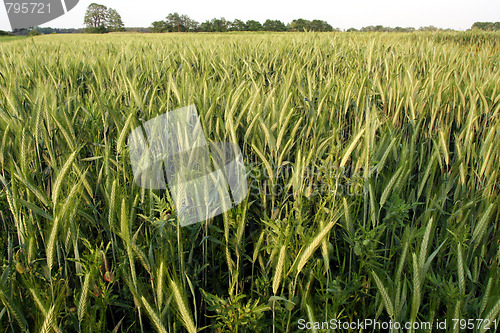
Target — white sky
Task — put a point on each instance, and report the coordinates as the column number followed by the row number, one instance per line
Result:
column 456, row 14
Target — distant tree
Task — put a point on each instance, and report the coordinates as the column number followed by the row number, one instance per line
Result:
column 400, row 29
column 96, row 18
column 428, row 28
column 300, row 25
column 482, row 25
column 159, row 26
column 253, row 25
column 207, row 26
column 220, row 25
column 488, row 26
column 188, row 23
column 174, row 22
column 114, row 21
column 5, row 33
column 380, row 28
column 178, row 23
column 46, row 30
column 377, row 28
column 274, row 25
column 237, row 25
column 318, row 25
column 352, row 30
column 371, row 28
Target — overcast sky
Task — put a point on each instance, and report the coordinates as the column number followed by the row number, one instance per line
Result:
column 455, row 14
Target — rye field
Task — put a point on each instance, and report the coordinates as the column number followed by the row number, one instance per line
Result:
column 373, row 172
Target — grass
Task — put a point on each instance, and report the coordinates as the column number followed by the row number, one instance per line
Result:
column 373, row 174
column 10, row 38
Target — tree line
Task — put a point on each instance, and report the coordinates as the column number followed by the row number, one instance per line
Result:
column 487, row 26
column 100, row 19
column 176, row 22
column 381, row 28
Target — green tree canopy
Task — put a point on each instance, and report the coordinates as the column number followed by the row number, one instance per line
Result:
column 429, row 28
column 188, row 23
column 159, row 26
column 220, row 25
column 238, row 25
column 175, row 22
column 253, row 25
column 215, row 25
column 488, row 26
column 274, row 25
column 100, row 19
column 115, row 22
column 207, row 26
column 96, row 17
column 319, row 25
column 300, row 25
